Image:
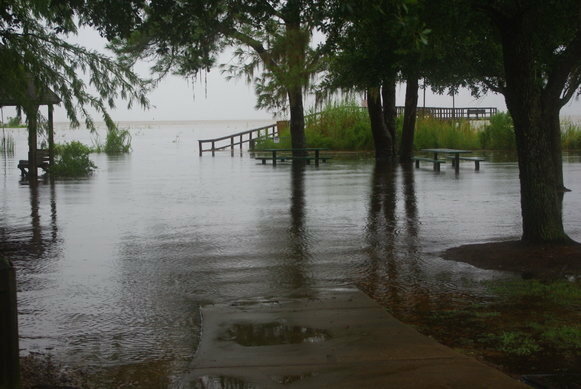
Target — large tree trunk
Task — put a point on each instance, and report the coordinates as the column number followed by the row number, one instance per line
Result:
column 409, row 120
column 389, row 110
column 297, row 43
column 551, row 120
column 540, row 200
column 297, row 119
column 381, row 137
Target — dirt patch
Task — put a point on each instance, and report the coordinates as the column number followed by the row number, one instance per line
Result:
column 543, row 261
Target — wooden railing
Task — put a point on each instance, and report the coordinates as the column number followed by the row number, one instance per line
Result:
column 238, row 139
column 473, row 113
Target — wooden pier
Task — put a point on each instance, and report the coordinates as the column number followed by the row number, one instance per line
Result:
column 238, row 139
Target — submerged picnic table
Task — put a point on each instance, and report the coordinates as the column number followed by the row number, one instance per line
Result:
column 453, row 152
column 306, row 157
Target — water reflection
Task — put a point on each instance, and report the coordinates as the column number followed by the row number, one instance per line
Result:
column 22, row 241
column 298, row 237
column 393, row 269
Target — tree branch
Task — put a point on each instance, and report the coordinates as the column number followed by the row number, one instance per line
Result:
column 267, row 59
column 560, row 73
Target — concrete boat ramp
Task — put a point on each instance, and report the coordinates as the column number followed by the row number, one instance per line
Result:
column 338, row 339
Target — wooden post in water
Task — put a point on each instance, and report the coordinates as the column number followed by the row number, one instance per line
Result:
column 50, row 135
column 32, row 117
column 9, row 352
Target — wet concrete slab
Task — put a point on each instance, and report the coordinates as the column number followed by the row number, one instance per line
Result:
column 339, row 339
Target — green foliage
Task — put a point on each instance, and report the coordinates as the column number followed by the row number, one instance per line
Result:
column 117, row 142
column 499, row 134
column 571, row 135
column 517, row 343
column 34, row 56
column 72, row 160
column 15, row 122
column 340, row 127
column 347, row 127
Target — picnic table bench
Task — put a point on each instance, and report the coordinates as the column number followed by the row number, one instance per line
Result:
column 476, row 160
column 436, row 162
column 276, row 157
column 42, row 161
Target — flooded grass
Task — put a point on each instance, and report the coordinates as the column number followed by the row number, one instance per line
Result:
column 523, row 327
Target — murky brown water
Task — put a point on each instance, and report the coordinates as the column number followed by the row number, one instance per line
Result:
column 112, row 269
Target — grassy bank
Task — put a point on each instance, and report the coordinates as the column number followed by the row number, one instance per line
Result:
column 347, row 128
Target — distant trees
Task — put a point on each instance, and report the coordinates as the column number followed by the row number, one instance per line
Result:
column 185, row 38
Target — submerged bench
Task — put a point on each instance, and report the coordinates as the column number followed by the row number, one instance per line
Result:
column 436, row 162
column 275, row 155
column 476, row 160
column 42, row 161
column 291, row 158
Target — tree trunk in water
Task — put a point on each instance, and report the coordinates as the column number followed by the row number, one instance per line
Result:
column 381, row 137
column 409, row 120
column 297, row 120
column 389, row 110
column 551, row 119
column 540, row 200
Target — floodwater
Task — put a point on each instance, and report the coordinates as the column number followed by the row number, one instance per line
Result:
column 112, row 269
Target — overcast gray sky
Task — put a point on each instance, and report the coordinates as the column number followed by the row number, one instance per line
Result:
column 218, row 99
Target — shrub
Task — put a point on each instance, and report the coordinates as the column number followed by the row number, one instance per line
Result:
column 499, row 134
column 117, row 141
column 72, row 160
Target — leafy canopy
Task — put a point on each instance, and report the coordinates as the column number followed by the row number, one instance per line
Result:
column 33, row 48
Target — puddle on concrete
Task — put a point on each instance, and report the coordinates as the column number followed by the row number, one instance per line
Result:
column 274, row 333
column 220, row 382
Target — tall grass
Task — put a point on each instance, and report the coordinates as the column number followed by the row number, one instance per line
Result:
column 571, row 136
column 117, row 142
column 431, row 133
column 499, row 133
column 7, row 144
column 345, row 127
column 340, row 127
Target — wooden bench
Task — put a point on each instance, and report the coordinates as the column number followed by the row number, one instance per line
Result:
column 476, row 160
column 42, row 161
column 436, row 162
column 291, row 158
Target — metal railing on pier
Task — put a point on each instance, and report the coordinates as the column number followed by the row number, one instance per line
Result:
column 238, row 139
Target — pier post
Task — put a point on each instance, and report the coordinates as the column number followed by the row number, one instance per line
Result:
column 9, row 352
